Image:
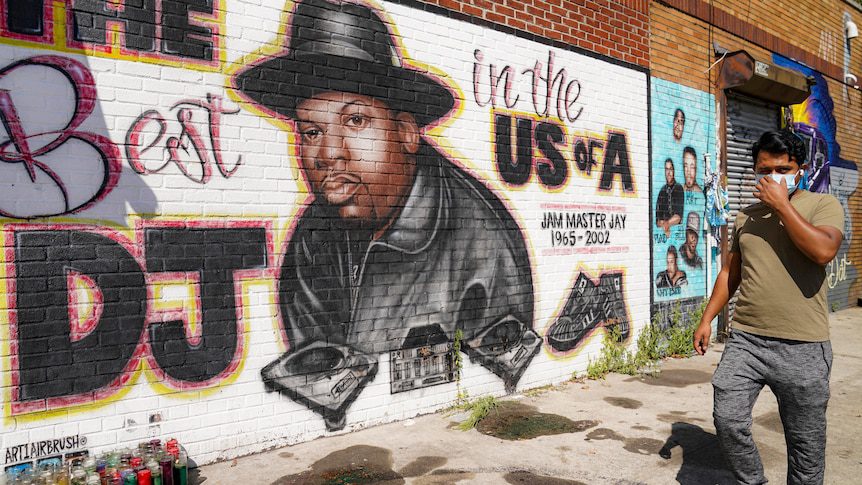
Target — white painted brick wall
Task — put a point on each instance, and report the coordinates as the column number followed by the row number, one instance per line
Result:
column 237, row 416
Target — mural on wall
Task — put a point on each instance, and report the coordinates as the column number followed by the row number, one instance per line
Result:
column 682, row 134
column 827, row 171
column 324, row 212
column 400, row 247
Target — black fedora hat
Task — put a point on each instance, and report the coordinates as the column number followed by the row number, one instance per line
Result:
column 342, row 46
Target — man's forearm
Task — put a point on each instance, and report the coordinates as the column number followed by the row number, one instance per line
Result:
column 820, row 246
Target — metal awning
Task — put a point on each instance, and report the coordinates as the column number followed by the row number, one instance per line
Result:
column 742, row 73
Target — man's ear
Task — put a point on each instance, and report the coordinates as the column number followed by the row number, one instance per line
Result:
column 408, row 132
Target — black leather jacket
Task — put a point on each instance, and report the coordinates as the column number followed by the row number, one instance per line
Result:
column 454, row 258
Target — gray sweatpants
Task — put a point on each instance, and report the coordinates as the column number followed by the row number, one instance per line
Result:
column 798, row 375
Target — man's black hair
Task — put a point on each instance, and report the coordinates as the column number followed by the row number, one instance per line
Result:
column 780, row 142
column 670, row 161
column 672, row 250
column 689, row 150
column 681, row 112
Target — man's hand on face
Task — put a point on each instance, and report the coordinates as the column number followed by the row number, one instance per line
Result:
column 772, row 193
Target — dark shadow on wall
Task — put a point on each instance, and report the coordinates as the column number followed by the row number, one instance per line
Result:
column 702, row 458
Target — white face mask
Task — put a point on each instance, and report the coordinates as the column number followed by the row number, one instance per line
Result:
column 789, row 178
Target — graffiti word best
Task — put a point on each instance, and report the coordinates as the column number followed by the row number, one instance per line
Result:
column 553, row 165
column 176, row 30
column 31, row 150
column 43, row 448
column 836, row 271
column 546, row 82
column 188, row 149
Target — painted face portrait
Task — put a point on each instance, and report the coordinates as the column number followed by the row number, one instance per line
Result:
column 668, row 173
column 691, row 238
column 671, row 263
column 357, row 154
column 678, row 124
column 690, row 169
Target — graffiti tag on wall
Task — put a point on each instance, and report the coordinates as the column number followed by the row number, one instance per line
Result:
column 193, row 154
column 53, row 366
column 40, row 160
column 188, row 30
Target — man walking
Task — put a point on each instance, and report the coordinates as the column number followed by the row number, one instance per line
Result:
column 780, row 335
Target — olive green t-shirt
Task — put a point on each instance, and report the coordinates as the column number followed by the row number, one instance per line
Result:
column 783, row 293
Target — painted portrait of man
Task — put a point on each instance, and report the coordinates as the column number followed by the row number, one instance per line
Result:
column 689, row 166
column 671, row 200
column 672, row 276
column 400, row 247
column 678, row 124
column 688, row 249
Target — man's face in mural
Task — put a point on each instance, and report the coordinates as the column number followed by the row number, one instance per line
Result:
column 358, row 155
column 668, row 173
column 671, row 263
column 678, row 124
column 689, row 163
column 691, row 238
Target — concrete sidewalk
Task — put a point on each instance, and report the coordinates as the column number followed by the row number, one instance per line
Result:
column 630, row 430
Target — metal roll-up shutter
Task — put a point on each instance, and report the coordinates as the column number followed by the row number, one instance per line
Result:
column 747, row 119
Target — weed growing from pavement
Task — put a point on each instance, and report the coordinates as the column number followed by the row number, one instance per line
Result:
column 653, row 344
column 478, row 410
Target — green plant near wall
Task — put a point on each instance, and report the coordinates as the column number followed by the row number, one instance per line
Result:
column 653, row 344
column 649, row 344
column 614, row 357
column 479, row 409
column 681, row 332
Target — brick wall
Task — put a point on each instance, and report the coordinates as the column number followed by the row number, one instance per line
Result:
column 614, row 28
column 185, row 259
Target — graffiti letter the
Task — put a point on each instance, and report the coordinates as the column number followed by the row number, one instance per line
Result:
column 93, row 20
